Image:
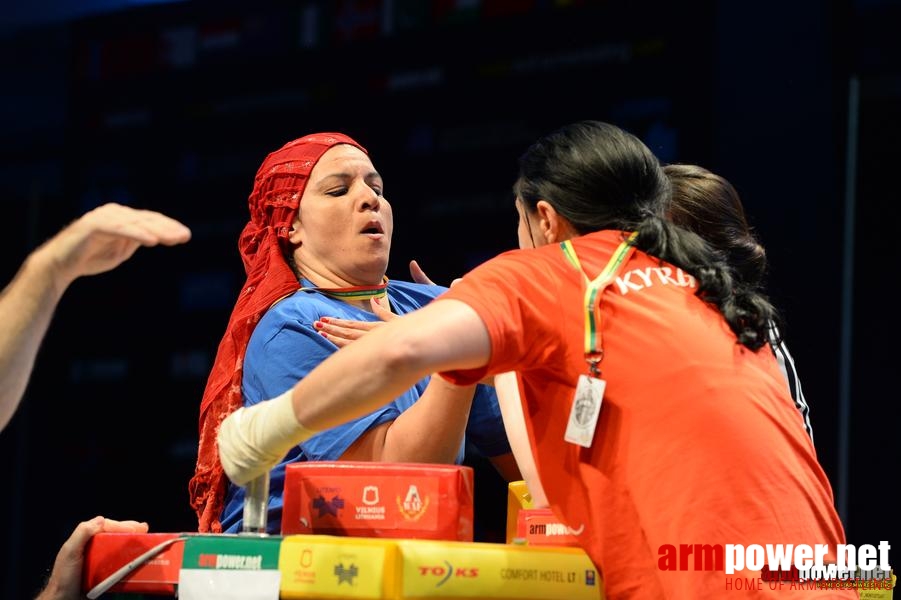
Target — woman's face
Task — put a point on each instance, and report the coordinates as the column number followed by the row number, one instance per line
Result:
column 342, row 232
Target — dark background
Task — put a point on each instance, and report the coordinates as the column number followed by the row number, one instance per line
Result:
column 174, row 106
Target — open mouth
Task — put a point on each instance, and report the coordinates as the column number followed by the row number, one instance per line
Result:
column 373, row 228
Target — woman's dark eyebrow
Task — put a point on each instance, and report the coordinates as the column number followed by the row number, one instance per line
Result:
column 339, row 176
column 343, row 177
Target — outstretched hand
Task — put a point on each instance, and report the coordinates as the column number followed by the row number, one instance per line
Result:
column 105, row 237
column 97, row 241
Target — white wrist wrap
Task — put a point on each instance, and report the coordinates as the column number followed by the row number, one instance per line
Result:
column 253, row 439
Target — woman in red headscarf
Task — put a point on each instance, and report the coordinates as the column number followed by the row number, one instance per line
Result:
column 317, row 245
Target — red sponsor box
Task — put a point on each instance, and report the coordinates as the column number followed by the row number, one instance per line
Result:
column 539, row 527
column 382, row 500
column 154, row 572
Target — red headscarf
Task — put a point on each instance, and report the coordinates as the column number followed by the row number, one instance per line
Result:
column 277, row 190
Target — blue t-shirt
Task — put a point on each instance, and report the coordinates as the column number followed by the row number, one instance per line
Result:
column 284, row 347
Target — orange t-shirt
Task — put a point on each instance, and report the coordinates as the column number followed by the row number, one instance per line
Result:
column 698, row 441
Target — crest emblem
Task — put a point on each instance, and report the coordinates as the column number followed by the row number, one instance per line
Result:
column 371, row 495
column 306, row 558
column 413, row 506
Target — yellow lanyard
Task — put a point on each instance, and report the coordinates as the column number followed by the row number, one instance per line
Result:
column 594, row 351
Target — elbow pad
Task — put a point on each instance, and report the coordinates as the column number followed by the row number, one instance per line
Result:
column 253, row 439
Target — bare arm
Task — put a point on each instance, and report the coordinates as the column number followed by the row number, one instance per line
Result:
column 98, row 241
column 430, row 431
column 441, row 336
column 26, row 307
column 359, row 378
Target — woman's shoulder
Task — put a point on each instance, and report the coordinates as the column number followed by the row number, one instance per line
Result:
column 304, row 307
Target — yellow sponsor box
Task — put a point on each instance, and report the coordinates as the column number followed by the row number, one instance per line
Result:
column 438, row 569
column 325, row 566
column 518, row 498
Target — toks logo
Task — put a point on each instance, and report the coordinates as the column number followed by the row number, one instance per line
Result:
column 446, row 571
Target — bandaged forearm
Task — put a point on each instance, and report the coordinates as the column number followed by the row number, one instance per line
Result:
column 253, row 439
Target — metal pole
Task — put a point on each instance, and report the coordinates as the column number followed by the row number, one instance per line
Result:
column 256, row 501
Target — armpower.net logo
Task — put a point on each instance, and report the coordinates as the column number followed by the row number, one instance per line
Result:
column 785, row 566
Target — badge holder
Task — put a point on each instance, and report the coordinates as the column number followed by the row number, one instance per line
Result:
column 586, row 406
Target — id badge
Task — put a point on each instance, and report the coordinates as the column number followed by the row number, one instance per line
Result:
column 586, row 408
